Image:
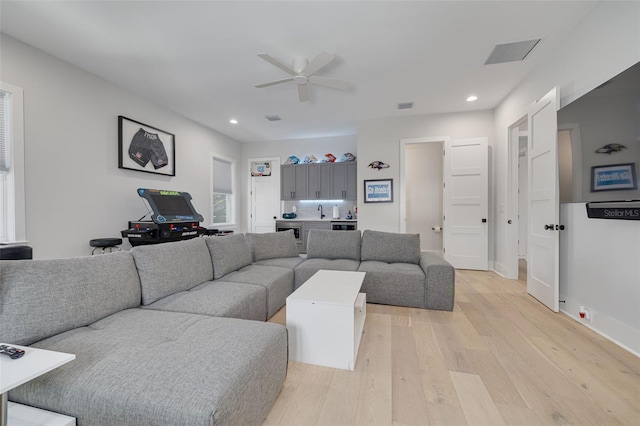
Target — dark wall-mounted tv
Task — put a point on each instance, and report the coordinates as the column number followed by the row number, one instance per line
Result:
column 601, row 129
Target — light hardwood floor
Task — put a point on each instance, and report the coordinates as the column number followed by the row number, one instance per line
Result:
column 500, row 358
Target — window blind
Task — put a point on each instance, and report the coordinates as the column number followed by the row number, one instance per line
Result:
column 222, row 178
column 4, row 137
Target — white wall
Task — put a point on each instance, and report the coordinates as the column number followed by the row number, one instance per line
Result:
column 604, row 44
column 74, row 189
column 602, row 277
column 380, row 140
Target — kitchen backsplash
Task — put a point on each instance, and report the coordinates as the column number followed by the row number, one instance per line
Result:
column 309, row 210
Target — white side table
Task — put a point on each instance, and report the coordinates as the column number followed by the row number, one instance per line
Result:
column 325, row 319
column 14, row 372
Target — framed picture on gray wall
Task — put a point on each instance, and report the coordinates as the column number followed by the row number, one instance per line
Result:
column 378, row 191
column 145, row 149
column 613, row 177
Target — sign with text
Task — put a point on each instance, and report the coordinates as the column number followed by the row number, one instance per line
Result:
column 621, row 210
column 614, row 177
column 378, row 191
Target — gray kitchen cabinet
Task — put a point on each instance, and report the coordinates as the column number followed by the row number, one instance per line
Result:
column 293, row 182
column 319, row 181
column 344, row 181
column 312, row 224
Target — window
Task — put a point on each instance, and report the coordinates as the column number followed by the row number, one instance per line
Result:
column 12, row 213
column 222, row 197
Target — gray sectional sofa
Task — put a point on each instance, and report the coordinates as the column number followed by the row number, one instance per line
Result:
column 175, row 333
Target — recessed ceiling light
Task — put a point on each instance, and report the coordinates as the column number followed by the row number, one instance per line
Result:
column 472, row 98
column 273, row 117
column 405, row 105
column 233, row 121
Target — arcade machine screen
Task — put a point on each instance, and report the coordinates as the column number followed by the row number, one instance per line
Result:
column 170, row 206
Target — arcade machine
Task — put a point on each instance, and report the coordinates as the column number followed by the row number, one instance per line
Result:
column 173, row 218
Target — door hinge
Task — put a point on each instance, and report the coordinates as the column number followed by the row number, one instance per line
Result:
column 444, row 250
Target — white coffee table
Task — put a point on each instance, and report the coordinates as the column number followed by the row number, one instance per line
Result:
column 15, row 372
column 325, row 319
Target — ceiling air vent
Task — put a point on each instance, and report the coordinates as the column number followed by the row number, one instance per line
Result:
column 273, row 117
column 405, row 105
column 511, row 52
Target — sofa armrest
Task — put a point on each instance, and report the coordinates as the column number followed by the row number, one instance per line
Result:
column 439, row 281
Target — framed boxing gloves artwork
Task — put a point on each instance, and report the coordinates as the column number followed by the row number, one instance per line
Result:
column 145, row 149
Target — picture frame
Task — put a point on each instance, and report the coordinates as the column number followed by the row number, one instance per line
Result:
column 614, row 177
column 378, row 191
column 260, row 168
column 145, row 148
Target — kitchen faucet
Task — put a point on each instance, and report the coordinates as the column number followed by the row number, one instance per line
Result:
column 320, row 210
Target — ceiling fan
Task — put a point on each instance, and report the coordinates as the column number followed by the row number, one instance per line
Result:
column 302, row 74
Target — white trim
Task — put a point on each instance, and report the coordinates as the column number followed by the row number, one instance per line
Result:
column 16, row 181
column 610, row 328
column 250, row 187
column 402, row 177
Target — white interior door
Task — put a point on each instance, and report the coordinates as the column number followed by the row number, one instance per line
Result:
column 543, row 209
column 265, row 197
column 466, row 206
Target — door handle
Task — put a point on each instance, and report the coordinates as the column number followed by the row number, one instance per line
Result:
column 509, row 221
column 560, row 227
column 484, row 220
column 549, row 227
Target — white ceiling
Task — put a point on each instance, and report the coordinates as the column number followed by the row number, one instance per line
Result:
column 200, row 59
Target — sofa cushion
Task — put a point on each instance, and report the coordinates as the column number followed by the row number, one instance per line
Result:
column 278, row 282
column 333, row 244
column 146, row 367
column 390, row 247
column 219, row 299
column 228, row 253
column 283, row 262
column 399, row 284
column 168, row 268
column 272, row 245
column 41, row 298
column 306, row 269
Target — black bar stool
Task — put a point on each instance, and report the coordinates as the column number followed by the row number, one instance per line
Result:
column 105, row 243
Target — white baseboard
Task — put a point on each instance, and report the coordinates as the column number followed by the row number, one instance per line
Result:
column 623, row 335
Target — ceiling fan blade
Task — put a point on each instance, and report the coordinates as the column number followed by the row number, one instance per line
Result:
column 318, row 62
column 329, row 82
column 273, row 83
column 277, row 63
column 303, row 92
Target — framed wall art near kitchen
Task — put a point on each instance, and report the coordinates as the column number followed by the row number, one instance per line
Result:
column 145, row 149
column 378, row 191
column 613, row 177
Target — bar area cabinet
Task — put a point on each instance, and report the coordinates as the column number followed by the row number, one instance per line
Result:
column 318, row 181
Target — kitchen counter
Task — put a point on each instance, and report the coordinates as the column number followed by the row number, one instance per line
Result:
column 317, row 220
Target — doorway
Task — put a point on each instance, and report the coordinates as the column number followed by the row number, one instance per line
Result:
column 517, row 214
column 421, row 190
column 264, row 190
